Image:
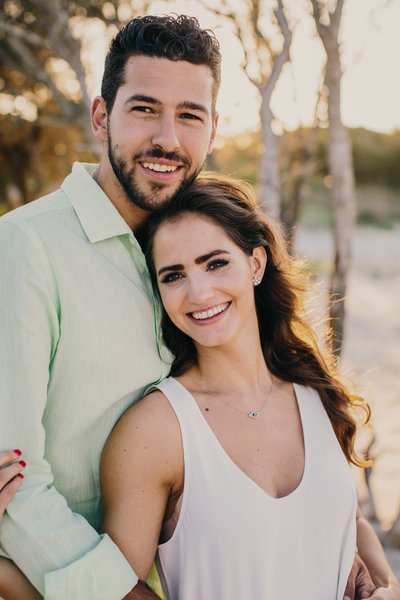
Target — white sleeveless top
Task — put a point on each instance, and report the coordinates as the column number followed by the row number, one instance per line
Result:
column 235, row 542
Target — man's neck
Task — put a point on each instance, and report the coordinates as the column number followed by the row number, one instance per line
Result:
column 133, row 215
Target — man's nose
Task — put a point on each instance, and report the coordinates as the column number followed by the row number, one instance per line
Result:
column 165, row 135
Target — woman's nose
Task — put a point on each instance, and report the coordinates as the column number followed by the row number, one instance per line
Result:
column 199, row 290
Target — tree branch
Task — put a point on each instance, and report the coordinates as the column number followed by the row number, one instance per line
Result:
column 22, row 33
column 321, row 28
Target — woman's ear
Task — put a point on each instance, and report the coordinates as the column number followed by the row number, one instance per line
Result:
column 258, row 262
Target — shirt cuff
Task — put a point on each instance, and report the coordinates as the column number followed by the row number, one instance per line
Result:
column 101, row 574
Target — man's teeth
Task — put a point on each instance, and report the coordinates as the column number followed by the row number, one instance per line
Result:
column 159, row 168
column 207, row 314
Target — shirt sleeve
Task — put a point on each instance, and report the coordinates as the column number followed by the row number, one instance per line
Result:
column 62, row 555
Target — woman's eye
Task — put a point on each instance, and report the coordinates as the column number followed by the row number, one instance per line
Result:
column 171, row 277
column 217, row 264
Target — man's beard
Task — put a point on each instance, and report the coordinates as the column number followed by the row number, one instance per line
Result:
column 126, row 178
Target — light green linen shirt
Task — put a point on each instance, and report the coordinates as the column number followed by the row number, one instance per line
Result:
column 78, row 345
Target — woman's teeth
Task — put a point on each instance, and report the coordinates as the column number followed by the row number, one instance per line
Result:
column 207, row 314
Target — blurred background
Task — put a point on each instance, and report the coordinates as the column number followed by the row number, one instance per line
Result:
column 309, row 113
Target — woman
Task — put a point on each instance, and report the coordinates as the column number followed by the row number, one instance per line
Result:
column 244, row 451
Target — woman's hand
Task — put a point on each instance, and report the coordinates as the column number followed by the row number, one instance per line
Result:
column 11, row 467
column 392, row 592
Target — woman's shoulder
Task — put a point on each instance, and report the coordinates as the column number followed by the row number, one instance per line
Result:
column 152, row 413
column 147, row 436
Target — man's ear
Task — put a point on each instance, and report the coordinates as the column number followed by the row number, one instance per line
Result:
column 213, row 133
column 258, row 262
column 98, row 117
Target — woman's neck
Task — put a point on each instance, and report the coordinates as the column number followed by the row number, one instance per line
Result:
column 239, row 370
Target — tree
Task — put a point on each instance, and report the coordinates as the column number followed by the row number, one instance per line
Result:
column 43, row 79
column 340, row 163
column 266, row 38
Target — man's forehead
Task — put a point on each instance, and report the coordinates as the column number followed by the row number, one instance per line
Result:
column 161, row 77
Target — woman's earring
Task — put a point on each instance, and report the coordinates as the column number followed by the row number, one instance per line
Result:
column 256, row 280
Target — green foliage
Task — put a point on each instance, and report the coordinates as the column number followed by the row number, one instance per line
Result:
column 376, row 157
column 376, row 166
column 239, row 157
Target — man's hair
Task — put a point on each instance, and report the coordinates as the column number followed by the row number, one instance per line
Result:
column 173, row 37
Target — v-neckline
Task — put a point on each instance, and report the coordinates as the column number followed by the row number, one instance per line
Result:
column 297, row 392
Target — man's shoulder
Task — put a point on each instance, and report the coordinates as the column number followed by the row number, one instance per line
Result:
column 38, row 209
column 48, row 209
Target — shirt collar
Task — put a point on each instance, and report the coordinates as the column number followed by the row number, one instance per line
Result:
column 98, row 216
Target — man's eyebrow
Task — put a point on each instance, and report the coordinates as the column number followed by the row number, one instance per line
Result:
column 193, row 106
column 142, row 98
column 186, row 104
column 198, row 261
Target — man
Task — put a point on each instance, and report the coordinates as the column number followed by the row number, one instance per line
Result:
column 80, row 335
column 80, row 338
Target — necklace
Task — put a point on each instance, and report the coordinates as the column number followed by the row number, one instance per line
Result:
column 253, row 414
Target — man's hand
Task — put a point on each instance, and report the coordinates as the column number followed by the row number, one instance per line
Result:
column 141, row 591
column 359, row 584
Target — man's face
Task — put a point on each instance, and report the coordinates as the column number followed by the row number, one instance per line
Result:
column 160, row 129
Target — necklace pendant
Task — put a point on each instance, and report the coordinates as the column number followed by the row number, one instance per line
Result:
column 254, row 414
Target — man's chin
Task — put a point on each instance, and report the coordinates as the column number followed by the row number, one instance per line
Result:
column 157, row 195
column 152, row 203
column 160, row 198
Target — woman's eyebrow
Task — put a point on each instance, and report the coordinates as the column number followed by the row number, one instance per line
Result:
column 198, row 261
column 209, row 255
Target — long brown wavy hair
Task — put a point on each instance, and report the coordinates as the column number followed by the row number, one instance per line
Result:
column 288, row 341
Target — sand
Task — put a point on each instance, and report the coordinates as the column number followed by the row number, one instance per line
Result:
column 371, row 348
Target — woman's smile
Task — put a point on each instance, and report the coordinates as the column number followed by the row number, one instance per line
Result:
column 209, row 315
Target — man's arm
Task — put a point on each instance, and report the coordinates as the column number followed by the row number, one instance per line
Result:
column 57, row 549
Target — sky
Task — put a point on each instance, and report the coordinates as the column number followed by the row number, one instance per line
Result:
column 370, row 84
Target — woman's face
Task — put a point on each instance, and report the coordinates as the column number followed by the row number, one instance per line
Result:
column 205, row 280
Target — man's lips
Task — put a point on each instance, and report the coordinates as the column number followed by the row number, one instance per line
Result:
column 161, row 169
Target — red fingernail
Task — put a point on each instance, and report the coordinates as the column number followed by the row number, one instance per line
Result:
column 22, row 463
column 17, row 452
column 20, row 475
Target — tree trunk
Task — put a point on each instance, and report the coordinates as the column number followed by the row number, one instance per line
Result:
column 340, row 163
column 270, row 187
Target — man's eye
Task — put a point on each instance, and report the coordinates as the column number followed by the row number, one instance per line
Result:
column 191, row 117
column 143, row 109
column 217, row 264
column 171, row 277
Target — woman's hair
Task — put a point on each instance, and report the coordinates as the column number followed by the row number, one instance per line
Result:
column 288, row 342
